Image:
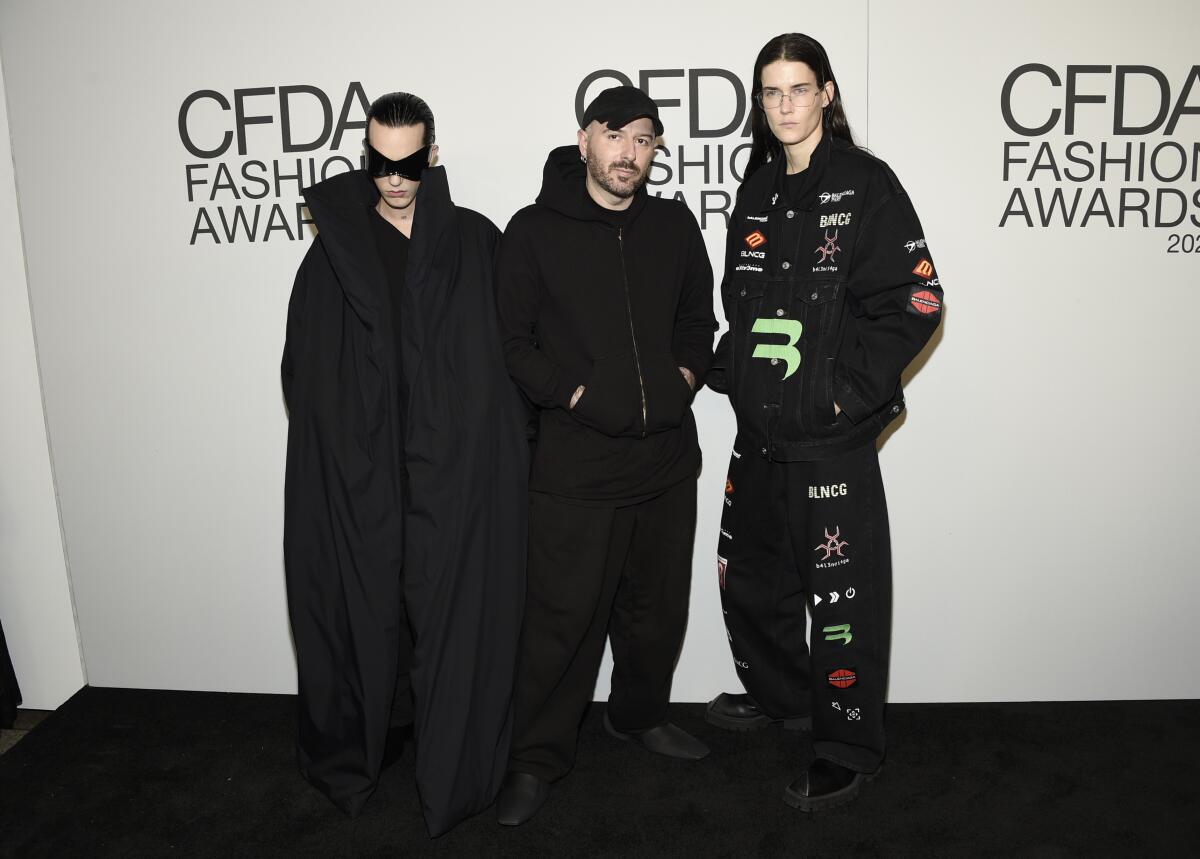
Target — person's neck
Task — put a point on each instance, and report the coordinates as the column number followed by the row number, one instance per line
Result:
column 401, row 219
column 799, row 154
column 604, row 199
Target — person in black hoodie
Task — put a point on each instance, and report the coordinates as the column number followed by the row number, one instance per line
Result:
column 407, row 461
column 830, row 292
column 605, row 305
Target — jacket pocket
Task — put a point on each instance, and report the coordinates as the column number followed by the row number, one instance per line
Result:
column 668, row 394
column 818, row 307
column 612, row 397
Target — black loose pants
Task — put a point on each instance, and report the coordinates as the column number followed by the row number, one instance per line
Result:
column 811, row 533
column 625, row 571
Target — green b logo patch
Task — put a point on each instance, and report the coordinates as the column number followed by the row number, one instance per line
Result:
column 786, row 352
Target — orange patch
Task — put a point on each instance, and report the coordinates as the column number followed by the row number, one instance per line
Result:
column 924, row 269
column 755, row 239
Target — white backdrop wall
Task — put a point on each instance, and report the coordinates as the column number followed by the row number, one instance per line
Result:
column 35, row 596
column 1034, row 526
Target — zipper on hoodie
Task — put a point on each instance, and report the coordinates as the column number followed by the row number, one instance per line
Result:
column 637, row 361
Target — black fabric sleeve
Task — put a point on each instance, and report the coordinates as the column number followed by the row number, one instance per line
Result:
column 293, row 345
column 518, row 296
column 694, row 320
column 895, row 299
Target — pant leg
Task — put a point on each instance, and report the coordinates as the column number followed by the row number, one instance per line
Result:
column 840, row 536
column 650, row 610
column 762, row 595
column 403, row 710
column 575, row 557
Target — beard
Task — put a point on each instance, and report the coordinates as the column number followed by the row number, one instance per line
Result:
column 602, row 177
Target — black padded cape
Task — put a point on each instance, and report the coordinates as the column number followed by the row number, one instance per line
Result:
column 355, row 534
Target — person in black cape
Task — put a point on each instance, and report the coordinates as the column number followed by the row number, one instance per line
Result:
column 407, row 461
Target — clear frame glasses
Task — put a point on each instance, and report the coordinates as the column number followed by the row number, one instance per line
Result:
column 801, row 98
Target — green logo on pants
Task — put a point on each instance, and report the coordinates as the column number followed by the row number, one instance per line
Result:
column 838, row 633
column 787, row 352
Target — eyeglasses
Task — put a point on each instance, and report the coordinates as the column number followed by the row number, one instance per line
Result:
column 801, row 98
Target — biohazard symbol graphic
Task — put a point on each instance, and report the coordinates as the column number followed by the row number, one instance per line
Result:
column 828, row 249
column 833, row 544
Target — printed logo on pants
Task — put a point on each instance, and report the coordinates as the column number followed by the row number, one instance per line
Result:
column 833, row 544
column 842, row 678
column 841, row 633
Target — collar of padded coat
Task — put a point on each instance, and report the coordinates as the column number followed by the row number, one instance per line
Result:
column 342, row 205
column 564, row 187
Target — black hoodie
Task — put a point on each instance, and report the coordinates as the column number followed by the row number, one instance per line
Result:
column 617, row 302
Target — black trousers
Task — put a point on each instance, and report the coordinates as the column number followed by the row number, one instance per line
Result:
column 621, row 570
column 797, row 534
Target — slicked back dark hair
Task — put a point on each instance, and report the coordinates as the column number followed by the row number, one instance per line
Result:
column 793, row 47
column 399, row 109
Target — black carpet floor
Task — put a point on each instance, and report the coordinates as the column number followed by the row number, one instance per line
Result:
column 119, row 772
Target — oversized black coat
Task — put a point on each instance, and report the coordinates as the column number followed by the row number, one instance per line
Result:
column 444, row 529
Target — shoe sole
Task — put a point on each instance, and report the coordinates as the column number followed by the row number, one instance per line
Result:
column 757, row 723
column 830, row 800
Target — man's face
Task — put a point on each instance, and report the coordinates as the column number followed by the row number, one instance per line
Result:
column 396, row 143
column 800, row 101
column 618, row 161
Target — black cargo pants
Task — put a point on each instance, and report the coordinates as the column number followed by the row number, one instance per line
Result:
column 816, row 534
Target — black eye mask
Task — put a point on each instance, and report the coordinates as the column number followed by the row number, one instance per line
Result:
column 407, row 168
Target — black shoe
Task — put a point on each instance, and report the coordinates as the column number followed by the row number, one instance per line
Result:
column 741, row 713
column 520, row 797
column 665, row 739
column 825, row 785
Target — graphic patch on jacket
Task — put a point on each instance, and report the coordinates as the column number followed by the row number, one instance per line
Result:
column 752, row 257
column 776, row 352
column 924, row 301
column 827, row 253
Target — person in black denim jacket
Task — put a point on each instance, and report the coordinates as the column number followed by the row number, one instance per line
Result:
column 830, row 291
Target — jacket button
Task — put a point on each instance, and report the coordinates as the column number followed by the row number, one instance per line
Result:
column 774, row 361
column 780, row 312
column 791, row 214
column 814, row 296
column 743, row 292
column 764, row 451
column 786, row 265
column 895, row 410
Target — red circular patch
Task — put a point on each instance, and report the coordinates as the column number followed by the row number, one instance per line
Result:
column 925, row 302
column 842, row 678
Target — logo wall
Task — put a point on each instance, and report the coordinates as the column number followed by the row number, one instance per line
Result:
column 1102, row 146
column 253, row 149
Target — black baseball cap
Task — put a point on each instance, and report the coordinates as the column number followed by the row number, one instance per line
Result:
column 618, row 106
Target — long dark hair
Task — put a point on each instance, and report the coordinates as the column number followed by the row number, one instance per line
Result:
column 793, row 47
